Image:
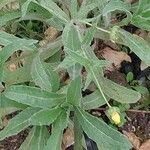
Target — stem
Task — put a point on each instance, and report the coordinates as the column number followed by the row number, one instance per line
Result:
column 77, row 134
column 96, row 27
column 100, row 89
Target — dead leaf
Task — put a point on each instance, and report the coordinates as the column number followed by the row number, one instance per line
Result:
column 68, row 138
column 135, row 141
column 51, row 33
column 114, row 57
column 142, row 33
column 12, row 67
column 145, row 145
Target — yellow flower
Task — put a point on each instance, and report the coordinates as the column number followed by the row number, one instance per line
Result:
column 115, row 116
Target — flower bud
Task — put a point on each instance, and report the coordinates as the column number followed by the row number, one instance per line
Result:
column 115, row 116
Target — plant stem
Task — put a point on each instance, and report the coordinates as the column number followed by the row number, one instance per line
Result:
column 101, row 29
column 77, row 134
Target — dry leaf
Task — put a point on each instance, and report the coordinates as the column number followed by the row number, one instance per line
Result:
column 50, row 34
column 135, row 141
column 68, row 138
column 12, row 67
column 114, row 57
column 145, row 145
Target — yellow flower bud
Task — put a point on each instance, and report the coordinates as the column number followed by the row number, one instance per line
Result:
column 116, row 117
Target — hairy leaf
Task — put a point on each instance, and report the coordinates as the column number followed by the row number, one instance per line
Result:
column 33, row 96
column 36, row 139
column 105, row 136
column 74, row 92
column 18, row 123
column 44, row 76
column 137, row 44
column 45, row 116
column 55, row 139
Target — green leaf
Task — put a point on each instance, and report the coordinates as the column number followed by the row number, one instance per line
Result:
column 73, row 8
column 36, row 139
column 74, row 92
column 70, row 38
column 18, row 123
column 55, row 139
column 84, row 10
column 33, row 96
column 117, row 5
column 9, row 16
column 6, row 103
column 24, row 7
column 89, row 35
column 105, row 136
column 141, row 17
column 117, row 92
column 93, row 100
column 44, row 76
column 45, row 116
column 137, row 44
column 130, row 77
column 54, row 9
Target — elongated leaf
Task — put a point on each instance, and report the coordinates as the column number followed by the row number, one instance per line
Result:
column 45, row 116
column 73, row 8
column 44, row 76
column 18, row 123
column 93, row 100
column 105, row 136
column 141, row 17
column 70, row 38
column 5, row 103
column 36, row 139
column 24, row 7
column 54, row 9
column 114, row 90
column 5, row 18
column 55, row 139
column 89, row 36
column 137, row 44
column 33, row 96
column 83, row 11
column 117, row 5
column 6, row 39
column 74, row 92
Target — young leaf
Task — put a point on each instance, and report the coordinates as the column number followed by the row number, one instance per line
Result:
column 55, row 139
column 44, row 76
column 33, row 96
column 18, row 123
column 137, row 44
column 45, row 116
column 74, row 92
column 105, row 136
column 93, row 100
column 36, row 139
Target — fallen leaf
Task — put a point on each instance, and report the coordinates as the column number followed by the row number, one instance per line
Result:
column 114, row 57
column 135, row 141
column 68, row 138
column 145, row 145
